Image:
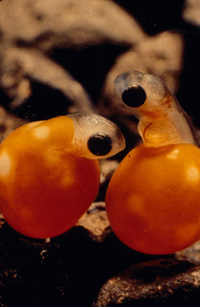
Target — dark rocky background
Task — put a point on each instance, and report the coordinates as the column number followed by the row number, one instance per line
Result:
column 59, row 57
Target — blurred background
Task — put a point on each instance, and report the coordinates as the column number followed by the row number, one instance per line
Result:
column 59, row 57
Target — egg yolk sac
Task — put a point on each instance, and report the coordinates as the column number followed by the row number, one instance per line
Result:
column 153, row 199
column 45, row 188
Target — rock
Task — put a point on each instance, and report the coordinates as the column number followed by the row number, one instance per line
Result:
column 50, row 54
column 192, row 253
column 67, row 23
column 36, row 30
column 31, row 272
column 191, row 12
column 95, row 220
column 161, row 282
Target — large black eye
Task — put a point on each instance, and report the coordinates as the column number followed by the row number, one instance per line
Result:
column 134, row 96
column 99, row 144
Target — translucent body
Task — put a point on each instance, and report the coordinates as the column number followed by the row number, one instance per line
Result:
column 46, row 182
column 153, row 199
column 162, row 121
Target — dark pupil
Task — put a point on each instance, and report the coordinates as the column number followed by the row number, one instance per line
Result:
column 100, row 144
column 134, row 96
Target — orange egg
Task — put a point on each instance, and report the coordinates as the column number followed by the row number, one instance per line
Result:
column 48, row 175
column 153, row 199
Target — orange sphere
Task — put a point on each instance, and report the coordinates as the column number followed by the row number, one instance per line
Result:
column 44, row 186
column 153, row 199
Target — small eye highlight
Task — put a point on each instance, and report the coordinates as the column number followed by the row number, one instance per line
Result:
column 134, row 96
column 99, row 144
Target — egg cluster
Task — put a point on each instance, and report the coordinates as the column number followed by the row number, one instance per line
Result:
column 49, row 171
